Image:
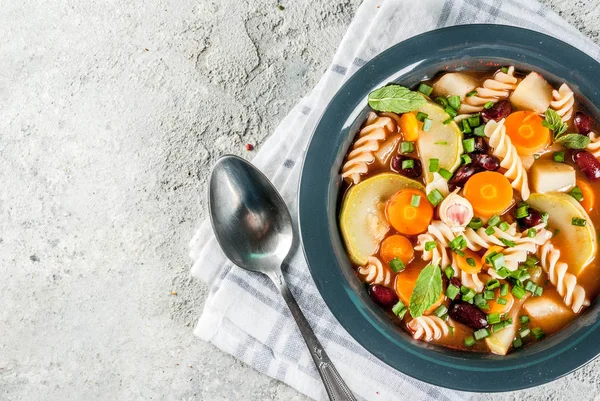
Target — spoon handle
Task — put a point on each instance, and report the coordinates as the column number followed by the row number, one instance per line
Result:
column 337, row 390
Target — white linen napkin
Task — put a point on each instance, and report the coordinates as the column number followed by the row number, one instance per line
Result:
column 244, row 314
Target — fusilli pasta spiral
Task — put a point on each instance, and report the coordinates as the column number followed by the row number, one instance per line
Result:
column 563, row 101
column 493, row 89
column 428, row 328
column 566, row 283
column 374, row 272
column 594, row 146
column 375, row 131
column 470, row 280
column 507, row 153
column 438, row 255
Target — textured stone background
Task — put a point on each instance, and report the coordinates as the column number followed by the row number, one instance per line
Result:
column 111, row 114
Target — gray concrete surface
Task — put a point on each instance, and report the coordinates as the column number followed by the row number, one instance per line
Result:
column 111, row 113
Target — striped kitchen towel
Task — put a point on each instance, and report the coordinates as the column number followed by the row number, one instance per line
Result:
column 244, row 314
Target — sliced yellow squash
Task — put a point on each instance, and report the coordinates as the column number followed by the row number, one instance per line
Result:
column 362, row 220
column 577, row 244
column 442, row 141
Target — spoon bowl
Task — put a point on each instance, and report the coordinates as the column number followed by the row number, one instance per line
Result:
column 251, row 221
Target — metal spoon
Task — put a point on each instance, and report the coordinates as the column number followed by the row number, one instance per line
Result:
column 254, row 228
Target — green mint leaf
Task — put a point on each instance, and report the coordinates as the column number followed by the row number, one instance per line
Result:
column 427, row 290
column 573, row 141
column 395, row 98
column 553, row 122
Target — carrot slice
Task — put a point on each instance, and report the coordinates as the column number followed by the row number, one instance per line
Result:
column 406, row 218
column 495, row 307
column 589, row 198
column 526, row 132
column 397, row 246
column 405, row 285
column 472, row 258
column 489, row 192
column 409, row 126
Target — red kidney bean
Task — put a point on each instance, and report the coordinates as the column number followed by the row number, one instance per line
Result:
column 485, row 161
column 414, row 172
column 383, row 296
column 582, row 122
column 534, row 219
column 587, row 163
column 481, row 145
column 461, row 176
column 497, row 112
column 468, row 314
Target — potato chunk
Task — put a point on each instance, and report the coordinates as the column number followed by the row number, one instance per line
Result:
column 532, row 93
column 547, row 312
column 549, row 176
column 454, row 83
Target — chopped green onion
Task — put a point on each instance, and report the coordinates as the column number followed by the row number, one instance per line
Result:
column 415, row 201
column 481, row 334
column 530, row 286
column 399, row 309
column 504, row 226
column 488, row 105
column 492, row 284
column 499, row 326
column 474, row 121
column 441, row 101
column 447, row 121
column 466, row 128
column 501, row 301
column 497, row 261
column 490, row 231
column 517, row 343
column 504, row 69
column 435, row 197
column 507, row 242
column 458, row 243
column 493, row 318
column 524, row 319
column 522, row 211
column 475, row 223
column 440, row 311
column 451, row 112
column 429, row 245
column 538, row 333
column 449, row 272
column 454, row 101
column 452, row 291
column 559, row 157
column 433, row 165
column 538, row 291
column 441, row 143
column 467, row 293
column 472, row 93
column 503, row 272
column 445, row 173
column 576, row 221
column 480, row 301
column 494, row 220
column 524, row 332
column 545, row 216
column 479, row 131
column 427, row 124
column 396, row 265
column 425, row 89
column 471, row 262
column 531, row 261
column 469, row 341
column 407, row 147
column 531, row 233
column 488, row 294
column 469, row 145
column 406, row 164
column 518, row 292
column 576, row 193
column 465, row 159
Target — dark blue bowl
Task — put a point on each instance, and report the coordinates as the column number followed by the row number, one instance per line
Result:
column 458, row 47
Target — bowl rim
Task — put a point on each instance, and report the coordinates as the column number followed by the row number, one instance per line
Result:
column 318, row 198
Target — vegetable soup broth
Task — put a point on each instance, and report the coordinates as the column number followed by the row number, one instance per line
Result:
column 398, row 218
